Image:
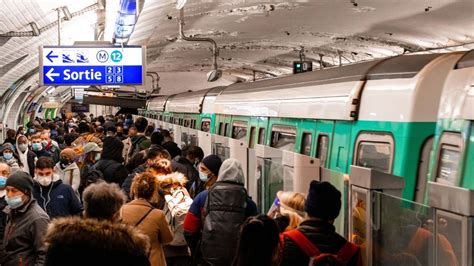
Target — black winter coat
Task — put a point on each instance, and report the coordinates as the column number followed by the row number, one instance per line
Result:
column 30, row 158
column 321, row 234
column 184, row 166
column 114, row 172
column 127, row 184
column 3, row 216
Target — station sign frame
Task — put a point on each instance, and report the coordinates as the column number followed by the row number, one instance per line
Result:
column 53, row 75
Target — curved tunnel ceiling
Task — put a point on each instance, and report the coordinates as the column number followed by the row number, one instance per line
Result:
column 261, row 36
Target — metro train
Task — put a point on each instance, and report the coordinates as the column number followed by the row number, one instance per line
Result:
column 408, row 115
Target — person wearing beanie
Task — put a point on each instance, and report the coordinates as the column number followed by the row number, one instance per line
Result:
column 26, row 226
column 322, row 206
column 218, row 229
column 67, row 170
column 208, row 172
column 52, row 194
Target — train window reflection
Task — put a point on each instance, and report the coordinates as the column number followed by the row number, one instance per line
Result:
column 323, row 146
column 448, row 164
column 206, row 125
column 261, row 136
column 239, row 130
column 306, row 143
column 375, row 155
column 283, row 137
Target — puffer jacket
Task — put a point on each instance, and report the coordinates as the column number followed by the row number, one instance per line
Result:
column 321, row 234
column 23, row 239
column 70, row 175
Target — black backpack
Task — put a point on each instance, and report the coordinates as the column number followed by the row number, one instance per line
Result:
column 224, row 213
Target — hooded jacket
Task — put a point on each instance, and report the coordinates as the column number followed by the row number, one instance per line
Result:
column 57, row 199
column 27, row 158
column 75, row 241
column 70, row 175
column 24, row 232
column 230, row 176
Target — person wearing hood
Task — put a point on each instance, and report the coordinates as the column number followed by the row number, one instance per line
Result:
column 27, row 158
column 9, row 155
column 217, row 228
column 67, row 170
column 26, row 224
column 55, row 197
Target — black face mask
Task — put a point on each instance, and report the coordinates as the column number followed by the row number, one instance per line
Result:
column 65, row 162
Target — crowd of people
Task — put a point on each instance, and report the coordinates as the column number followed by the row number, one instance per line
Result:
column 88, row 190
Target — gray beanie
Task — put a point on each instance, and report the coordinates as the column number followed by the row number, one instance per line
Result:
column 231, row 171
column 21, row 181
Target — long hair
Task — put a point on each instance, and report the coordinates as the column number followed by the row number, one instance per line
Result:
column 258, row 243
column 292, row 206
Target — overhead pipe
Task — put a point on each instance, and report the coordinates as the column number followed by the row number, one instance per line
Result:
column 215, row 74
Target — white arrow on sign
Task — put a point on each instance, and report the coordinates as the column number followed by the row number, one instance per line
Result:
column 50, row 74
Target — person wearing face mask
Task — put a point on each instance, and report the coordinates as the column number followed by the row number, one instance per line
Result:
column 37, row 147
column 55, row 197
column 26, row 157
column 187, row 163
column 67, row 169
column 92, row 153
column 26, row 224
column 208, row 171
column 9, row 155
column 4, row 173
column 49, row 145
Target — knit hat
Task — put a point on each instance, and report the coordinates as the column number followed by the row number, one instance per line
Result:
column 231, row 171
column 7, row 146
column 323, row 201
column 21, row 181
column 90, row 147
column 68, row 153
column 213, row 163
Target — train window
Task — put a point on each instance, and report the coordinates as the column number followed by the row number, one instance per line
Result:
column 239, row 130
column 261, row 136
column 187, row 123
column 306, row 142
column 176, row 121
column 375, row 150
column 283, row 137
column 226, row 127
column 161, row 118
column 193, row 123
column 206, row 125
column 323, row 147
column 221, row 128
column 449, row 156
column 252, row 137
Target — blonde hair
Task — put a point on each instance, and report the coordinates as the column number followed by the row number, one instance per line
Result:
column 144, row 186
column 292, row 206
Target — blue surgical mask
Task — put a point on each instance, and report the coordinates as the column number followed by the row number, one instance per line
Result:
column 36, row 146
column 3, row 181
column 204, row 177
column 8, row 156
column 14, row 202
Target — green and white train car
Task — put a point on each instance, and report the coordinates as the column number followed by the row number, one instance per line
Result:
column 380, row 114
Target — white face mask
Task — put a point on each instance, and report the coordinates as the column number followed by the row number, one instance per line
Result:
column 44, row 180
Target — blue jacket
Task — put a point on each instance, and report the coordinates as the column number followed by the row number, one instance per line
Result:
column 57, row 199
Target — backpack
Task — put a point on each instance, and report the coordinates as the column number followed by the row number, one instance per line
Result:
column 342, row 257
column 93, row 176
column 176, row 207
column 135, row 147
column 223, row 214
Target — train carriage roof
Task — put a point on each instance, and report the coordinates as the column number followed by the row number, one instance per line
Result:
column 157, row 103
column 190, row 102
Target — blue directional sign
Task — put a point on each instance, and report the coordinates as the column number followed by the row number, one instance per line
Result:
column 84, row 65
